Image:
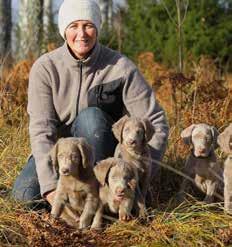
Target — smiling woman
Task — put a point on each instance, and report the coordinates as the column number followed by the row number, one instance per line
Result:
column 81, row 37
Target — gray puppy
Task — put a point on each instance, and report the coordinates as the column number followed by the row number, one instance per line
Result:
column 118, row 181
column 77, row 189
column 202, row 165
column 225, row 143
column 133, row 135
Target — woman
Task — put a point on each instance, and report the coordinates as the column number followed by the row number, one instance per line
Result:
column 81, row 89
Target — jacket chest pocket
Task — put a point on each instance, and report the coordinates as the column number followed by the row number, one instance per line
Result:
column 108, row 97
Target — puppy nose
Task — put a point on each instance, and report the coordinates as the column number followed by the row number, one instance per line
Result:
column 120, row 190
column 131, row 141
column 202, row 150
column 64, row 170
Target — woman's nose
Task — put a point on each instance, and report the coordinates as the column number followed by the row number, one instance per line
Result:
column 80, row 31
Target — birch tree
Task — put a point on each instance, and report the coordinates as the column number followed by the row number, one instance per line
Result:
column 29, row 25
column 5, row 27
column 47, row 22
column 106, row 7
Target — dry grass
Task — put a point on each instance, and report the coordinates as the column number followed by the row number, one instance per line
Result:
column 202, row 96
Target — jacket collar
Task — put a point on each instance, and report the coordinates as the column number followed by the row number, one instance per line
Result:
column 74, row 62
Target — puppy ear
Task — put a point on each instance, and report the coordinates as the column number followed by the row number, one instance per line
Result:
column 102, row 169
column 118, row 127
column 53, row 154
column 215, row 135
column 224, row 140
column 87, row 155
column 187, row 133
column 149, row 129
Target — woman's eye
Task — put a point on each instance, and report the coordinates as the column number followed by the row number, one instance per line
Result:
column 72, row 27
column 88, row 26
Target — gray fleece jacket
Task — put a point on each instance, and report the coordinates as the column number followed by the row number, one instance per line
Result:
column 60, row 86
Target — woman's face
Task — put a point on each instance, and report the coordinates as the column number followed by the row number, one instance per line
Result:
column 81, row 37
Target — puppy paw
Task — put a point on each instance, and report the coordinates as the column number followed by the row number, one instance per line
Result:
column 84, row 222
column 54, row 214
column 142, row 212
column 96, row 226
column 208, row 199
column 125, row 217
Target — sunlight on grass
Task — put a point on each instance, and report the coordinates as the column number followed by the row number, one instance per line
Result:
column 191, row 225
column 14, row 149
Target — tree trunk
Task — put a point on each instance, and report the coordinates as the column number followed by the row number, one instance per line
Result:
column 47, row 22
column 5, row 27
column 106, row 7
column 30, row 24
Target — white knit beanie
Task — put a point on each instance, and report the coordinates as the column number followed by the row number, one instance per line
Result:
column 74, row 10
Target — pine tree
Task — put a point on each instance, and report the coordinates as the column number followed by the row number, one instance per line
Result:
column 206, row 30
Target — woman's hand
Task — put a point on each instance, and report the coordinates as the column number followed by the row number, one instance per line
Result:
column 50, row 196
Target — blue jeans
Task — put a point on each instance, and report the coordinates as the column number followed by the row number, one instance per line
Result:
column 91, row 123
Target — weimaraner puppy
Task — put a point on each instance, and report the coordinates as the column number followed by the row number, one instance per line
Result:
column 225, row 143
column 118, row 181
column 133, row 135
column 77, row 189
column 202, row 165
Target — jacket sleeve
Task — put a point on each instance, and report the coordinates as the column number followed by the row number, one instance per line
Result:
column 140, row 101
column 42, row 125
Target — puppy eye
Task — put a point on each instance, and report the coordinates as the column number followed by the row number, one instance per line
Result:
column 127, row 129
column 140, row 132
column 75, row 157
column 128, row 178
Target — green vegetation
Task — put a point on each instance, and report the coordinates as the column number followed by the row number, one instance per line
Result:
column 207, row 30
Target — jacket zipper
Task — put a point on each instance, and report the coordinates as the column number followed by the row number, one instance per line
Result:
column 80, row 64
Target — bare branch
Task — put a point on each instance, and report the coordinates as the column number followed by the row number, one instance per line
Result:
column 185, row 12
column 168, row 12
